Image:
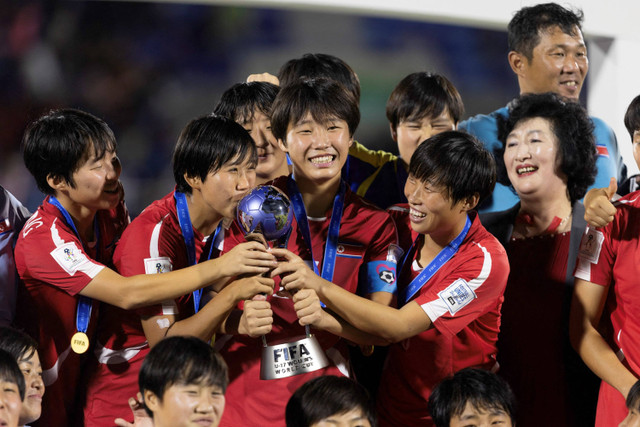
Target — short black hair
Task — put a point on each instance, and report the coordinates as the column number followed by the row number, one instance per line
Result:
column 10, row 372
column 483, row 389
column 17, row 343
column 632, row 116
column 325, row 396
column 318, row 65
column 208, row 143
column 456, row 161
column 181, row 360
column 573, row 130
column 421, row 95
column 324, row 99
column 526, row 25
column 242, row 100
column 633, row 398
column 60, row 142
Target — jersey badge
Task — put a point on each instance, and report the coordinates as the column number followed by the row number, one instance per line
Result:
column 157, row 265
column 590, row 245
column 457, row 295
column 69, row 257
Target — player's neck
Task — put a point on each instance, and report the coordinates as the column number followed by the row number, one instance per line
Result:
column 435, row 242
column 283, row 170
column 81, row 215
column 202, row 217
column 318, row 197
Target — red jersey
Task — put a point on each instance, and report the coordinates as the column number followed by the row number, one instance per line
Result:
column 463, row 300
column 361, row 252
column 152, row 244
column 55, row 265
column 609, row 257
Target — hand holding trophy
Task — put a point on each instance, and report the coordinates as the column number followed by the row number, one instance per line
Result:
column 265, row 216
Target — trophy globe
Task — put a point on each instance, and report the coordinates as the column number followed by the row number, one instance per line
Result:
column 266, row 211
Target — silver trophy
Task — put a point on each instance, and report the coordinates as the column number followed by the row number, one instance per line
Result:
column 265, row 216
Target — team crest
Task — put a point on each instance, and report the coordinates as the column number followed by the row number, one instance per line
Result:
column 69, row 257
column 157, row 265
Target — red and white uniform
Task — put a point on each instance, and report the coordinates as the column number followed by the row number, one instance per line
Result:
column 611, row 257
column 54, row 267
column 255, row 402
column 151, row 244
column 463, row 301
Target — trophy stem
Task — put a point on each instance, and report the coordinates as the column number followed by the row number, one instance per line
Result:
column 264, row 341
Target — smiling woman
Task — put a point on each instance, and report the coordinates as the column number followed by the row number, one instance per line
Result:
column 548, row 158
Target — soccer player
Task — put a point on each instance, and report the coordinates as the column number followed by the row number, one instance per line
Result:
column 11, row 390
column 473, row 397
column 214, row 165
column 64, row 252
column 547, row 54
column 314, row 121
column 183, row 383
column 633, row 405
column 12, row 217
column 249, row 104
column 450, row 288
column 330, row 401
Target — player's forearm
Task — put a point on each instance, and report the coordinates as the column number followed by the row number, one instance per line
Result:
column 331, row 322
column 230, row 324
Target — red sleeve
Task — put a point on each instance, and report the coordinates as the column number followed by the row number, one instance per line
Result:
column 474, row 286
column 384, row 244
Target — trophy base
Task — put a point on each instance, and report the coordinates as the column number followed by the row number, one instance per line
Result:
column 293, row 358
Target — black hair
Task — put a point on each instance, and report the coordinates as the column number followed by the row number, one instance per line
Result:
column 573, row 130
column 632, row 116
column 456, row 161
column 483, row 389
column 421, row 95
column 324, row 99
column 60, row 142
column 10, row 372
column 633, row 398
column 528, row 23
column 206, row 144
column 181, row 360
column 17, row 343
column 242, row 100
column 325, row 396
column 318, row 65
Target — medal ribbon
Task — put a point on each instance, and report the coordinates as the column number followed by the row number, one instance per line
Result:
column 331, row 246
column 441, row 259
column 187, row 234
column 83, row 309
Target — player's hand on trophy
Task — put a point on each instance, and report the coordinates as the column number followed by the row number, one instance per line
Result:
column 307, row 306
column 257, row 317
column 248, row 287
column 598, row 209
column 248, row 258
column 263, row 77
column 294, row 272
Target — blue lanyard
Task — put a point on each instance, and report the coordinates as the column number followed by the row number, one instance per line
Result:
column 441, row 259
column 330, row 249
column 83, row 309
column 187, row 234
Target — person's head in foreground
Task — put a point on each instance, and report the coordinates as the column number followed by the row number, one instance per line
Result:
column 25, row 351
column 449, row 174
column 473, row 397
column 183, row 381
column 422, row 105
column 73, row 154
column 11, row 390
column 547, row 51
column 632, row 123
column 330, row 401
column 320, row 65
column 249, row 104
column 549, row 148
column 633, row 405
column 314, row 121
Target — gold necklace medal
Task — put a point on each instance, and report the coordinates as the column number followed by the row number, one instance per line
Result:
column 79, row 342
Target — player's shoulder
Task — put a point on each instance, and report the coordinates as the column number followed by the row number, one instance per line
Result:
column 483, row 122
column 360, row 208
column 375, row 158
column 160, row 215
column 483, row 242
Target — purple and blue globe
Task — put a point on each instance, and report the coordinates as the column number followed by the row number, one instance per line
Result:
column 265, row 210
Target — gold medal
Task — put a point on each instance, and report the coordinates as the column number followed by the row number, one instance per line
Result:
column 79, row 342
